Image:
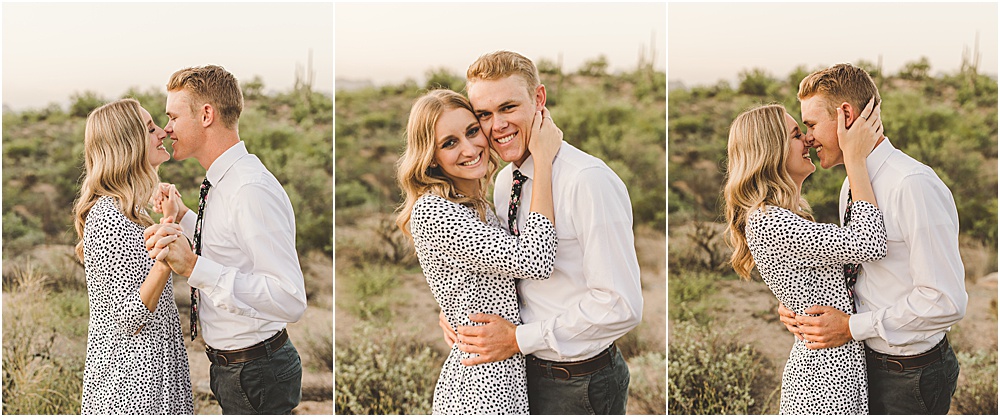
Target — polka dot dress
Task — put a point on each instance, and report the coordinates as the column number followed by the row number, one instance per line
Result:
column 471, row 267
column 129, row 373
column 802, row 263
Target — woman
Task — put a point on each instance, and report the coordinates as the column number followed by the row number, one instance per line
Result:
column 136, row 362
column 801, row 261
column 470, row 262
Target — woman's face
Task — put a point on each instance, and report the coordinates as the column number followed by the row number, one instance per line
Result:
column 157, row 153
column 798, row 162
column 461, row 149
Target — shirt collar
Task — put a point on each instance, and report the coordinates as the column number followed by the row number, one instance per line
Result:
column 876, row 159
column 226, row 161
column 527, row 168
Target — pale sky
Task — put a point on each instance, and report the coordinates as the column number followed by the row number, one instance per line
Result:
column 390, row 42
column 713, row 41
column 51, row 50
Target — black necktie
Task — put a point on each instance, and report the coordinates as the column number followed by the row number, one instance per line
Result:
column 205, row 186
column 515, row 199
column 850, row 270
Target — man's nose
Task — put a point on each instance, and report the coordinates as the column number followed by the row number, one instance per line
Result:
column 499, row 123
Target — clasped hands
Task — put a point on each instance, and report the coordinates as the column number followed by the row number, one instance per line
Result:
column 165, row 241
column 493, row 341
column 822, row 326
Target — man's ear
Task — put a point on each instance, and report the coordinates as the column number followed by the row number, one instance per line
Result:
column 540, row 97
column 850, row 114
column 207, row 115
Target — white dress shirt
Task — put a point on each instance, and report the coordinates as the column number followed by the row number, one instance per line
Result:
column 593, row 295
column 248, row 273
column 908, row 300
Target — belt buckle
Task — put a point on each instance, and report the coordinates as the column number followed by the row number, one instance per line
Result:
column 559, row 368
column 219, row 358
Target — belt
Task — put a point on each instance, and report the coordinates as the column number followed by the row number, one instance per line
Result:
column 567, row 370
column 904, row 363
column 229, row 357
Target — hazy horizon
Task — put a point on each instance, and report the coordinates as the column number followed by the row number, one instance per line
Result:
column 390, row 43
column 778, row 37
column 52, row 50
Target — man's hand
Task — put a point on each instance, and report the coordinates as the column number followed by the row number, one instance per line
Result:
column 827, row 328
column 165, row 242
column 450, row 337
column 494, row 341
column 787, row 317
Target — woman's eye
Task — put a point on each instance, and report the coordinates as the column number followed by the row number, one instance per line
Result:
column 472, row 132
column 448, row 143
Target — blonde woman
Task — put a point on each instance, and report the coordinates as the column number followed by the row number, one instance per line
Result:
column 801, row 261
column 136, row 362
column 469, row 260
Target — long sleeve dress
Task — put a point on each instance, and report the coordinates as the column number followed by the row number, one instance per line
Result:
column 128, row 372
column 471, row 267
column 802, row 263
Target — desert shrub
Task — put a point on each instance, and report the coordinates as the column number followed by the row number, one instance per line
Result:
column 977, row 387
column 688, row 295
column 647, row 391
column 711, row 372
column 372, row 287
column 319, row 346
column 384, row 372
column 37, row 377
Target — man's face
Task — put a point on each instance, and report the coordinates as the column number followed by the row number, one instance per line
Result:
column 821, row 131
column 505, row 110
column 184, row 127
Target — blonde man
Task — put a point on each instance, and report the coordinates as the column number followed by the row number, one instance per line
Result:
column 908, row 301
column 593, row 296
column 244, row 271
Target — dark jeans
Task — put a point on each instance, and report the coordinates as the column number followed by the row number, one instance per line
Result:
column 603, row 392
column 268, row 385
column 927, row 390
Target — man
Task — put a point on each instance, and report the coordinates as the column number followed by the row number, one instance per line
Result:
column 245, row 277
column 593, row 295
column 907, row 301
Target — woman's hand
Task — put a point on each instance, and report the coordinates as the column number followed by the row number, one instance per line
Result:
column 170, row 202
column 546, row 137
column 858, row 141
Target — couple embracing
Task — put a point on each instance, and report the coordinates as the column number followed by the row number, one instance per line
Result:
column 532, row 295
column 237, row 253
column 869, row 302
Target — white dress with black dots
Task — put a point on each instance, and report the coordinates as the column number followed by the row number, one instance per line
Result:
column 471, row 267
column 802, row 263
column 129, row 373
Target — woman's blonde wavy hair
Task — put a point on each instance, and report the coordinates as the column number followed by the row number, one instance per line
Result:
column 757, row 177
column 413, row 170
column 115, row 149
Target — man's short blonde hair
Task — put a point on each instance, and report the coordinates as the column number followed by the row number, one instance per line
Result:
column 840, row 83
column 502, row 64
column 214, row 85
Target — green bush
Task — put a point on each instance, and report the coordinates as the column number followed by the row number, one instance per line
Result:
column 383, row 372
column 977, row 388
column 711, row 372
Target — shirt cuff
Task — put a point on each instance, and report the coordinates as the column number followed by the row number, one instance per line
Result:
column 205, row 275
column 862, row 326
column 529, row 338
